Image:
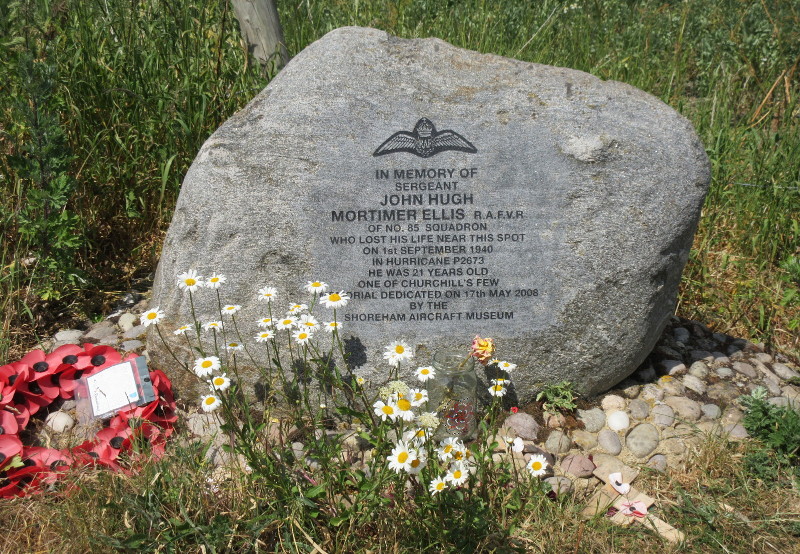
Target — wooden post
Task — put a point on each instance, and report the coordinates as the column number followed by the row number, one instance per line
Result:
column 261, row 29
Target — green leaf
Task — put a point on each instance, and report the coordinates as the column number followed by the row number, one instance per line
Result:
column 314, row 492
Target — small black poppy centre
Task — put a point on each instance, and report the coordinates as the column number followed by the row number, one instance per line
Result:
column 12, row 378
column 71, row 359
column 116, row 442
column 98, row 360
column 78, row 374
column 94, row 454
column 2, row 457
column 58, row 463
column 56, row 379
column 40, row 367
column 2, row 430
column 34, row 387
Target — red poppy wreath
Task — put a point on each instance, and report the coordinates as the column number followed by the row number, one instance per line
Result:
column 37, row 381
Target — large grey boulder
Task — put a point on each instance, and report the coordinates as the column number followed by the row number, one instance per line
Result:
column 451, row 193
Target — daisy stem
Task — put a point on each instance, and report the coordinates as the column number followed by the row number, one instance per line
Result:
column 166, row 345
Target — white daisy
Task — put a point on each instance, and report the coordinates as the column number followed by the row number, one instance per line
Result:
column 401, row 456
column 419, row 462
column 360, row 381
column 296, row 308
column 331, row 326
column 517, row 445
column 425, row 373
column 151, row 317
column 537, row 465
column 497, row 390
column 404, row 409
column 203, row 367
column 418, row 397
column 264, row 336
column 210, row 403
column 335, row 299
column 190, row 281
column 447, row 447
column 301, row 336
column 437, row 485
column 267, row 293
column 397, row 351
column 231, row 309
column 215, row 281
column 286, row 323
column 317, row 287
column 212, row 326
column 265, row 322
column 508, row 367
column 182, row 330
column 458, row 474
column 385, row 410
column 234, row 346
column 308, row 322
column 220, row 382
column 416, row 436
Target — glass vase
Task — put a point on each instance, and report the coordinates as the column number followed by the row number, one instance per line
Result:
column 453, row 394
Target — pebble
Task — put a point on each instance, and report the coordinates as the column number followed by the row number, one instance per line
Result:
column 559, row 484
column 59, row 422
column 696, row 355
column 672, row 447
column 732, row 414
column 609, row 441
column 720, row 359
column 693, row 383
column 736, row 431
column 681, row 334
column 671, row 386
column 783, row 402
column 642, row 440
column 652, row 393
column 663, row 415
column 612, row 402
column 556, row 421
column 685, row 408
column 99, row 331
column 618, row 420
column 658, row 462
column 524, row 425
column 639, row 409
column 784, row 372
column 721, row 338
column 131, row 345
column 630, row 389
column 577, row 465
column 711, row 411
column 584, row 439
column 723, row 392
column 763, row 357
column 699, row 370
column 134, row 332
column 792, row 392
column 745, row 369
column 202, row 425
column 724, row 372
column 558, row 442
column 646, row 374
column 126, row 321
column 593, row 420
column 69, row 336
column 673, row 367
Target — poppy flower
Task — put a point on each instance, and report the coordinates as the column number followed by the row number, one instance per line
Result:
column 10, row 446
column 43, row 365
column 8, row 423
column 99, row 357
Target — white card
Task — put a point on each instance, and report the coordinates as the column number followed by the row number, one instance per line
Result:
column 112, row 389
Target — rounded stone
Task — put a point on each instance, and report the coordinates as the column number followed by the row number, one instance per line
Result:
column 639, row 409
column 784, row 371
column 559, row 484
column 642, row 440
column 630, row 389
column 681, row 335
column 652, row 393
column 556, row 421
column 763, row 357
column 558, row 442
column 646, row 374
column 731, row 415
column 658, row 462
column 663, row 415
column 524, row 425
column 673, row 447
column 577, row 465
column 745, row 369
column 617, row 421
column 723, row 392
column 612, row 402
column 783, row 402
column 701, row 355
column 711, row 411
column 584, row 439
column 694, row 383
column 724, row 372
column 699, row 370
column 126, row 321
column 685, row 409
column 673, row 367
column 671, row 386
column 59, row 422
column 609, row 441
column 736, row 431
column 593, row 420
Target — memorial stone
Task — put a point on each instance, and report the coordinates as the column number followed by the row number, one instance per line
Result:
column 450, row 193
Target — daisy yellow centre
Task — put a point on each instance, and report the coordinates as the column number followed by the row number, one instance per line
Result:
column 334, row 297
column 458, row 455
column 415, row 463
column 316, row 284
column 418, row 396
column 399, row 349
column 447, row 449
column 214, row 279
column 420, row 433
column 190, row 282
column 206, row 364
column 497, row 388
column 402, row 457
column 536, row 466
column 152, row 315
column 440, row 486
column 287, row 321
column 404, row 404
column 210, row 400
column 302, row 336
column 309, row 324
column 388, row 410
column 426, row 372
column 219, row 381
column 457, row 474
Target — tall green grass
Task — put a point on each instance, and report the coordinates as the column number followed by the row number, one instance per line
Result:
column 142, row 83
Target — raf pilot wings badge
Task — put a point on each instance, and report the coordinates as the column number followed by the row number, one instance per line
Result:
column 424, row 141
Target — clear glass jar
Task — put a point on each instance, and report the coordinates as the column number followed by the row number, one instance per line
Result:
column 453, row 394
